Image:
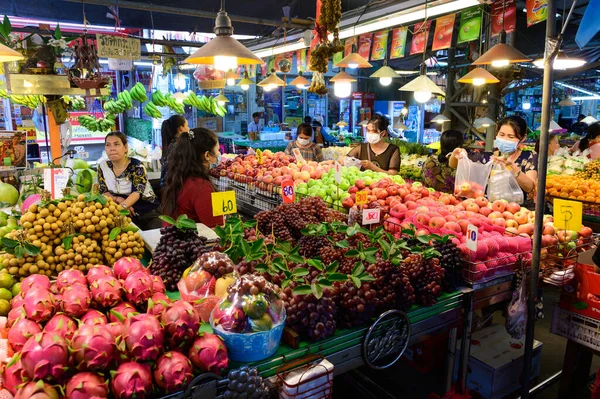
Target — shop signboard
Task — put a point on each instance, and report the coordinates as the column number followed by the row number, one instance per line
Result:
column 364, row 45
column 442, row 38
column 118, row 47
column 398, row 42
column 380, row 41
column 503, row 15
column 470, row 25
column 537, row 11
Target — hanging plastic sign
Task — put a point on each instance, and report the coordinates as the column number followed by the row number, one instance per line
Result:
column 55, row 180
column 472, row 235
column 371, row 216
column 120, row 65
column 259, row 156
column 361, row 198
column 118, row 47
column 288, row 192
column 338, row 172
column 568, row 215
column 298, row 155
column 223, row 203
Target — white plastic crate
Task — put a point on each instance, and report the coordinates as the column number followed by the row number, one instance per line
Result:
column 581, row 329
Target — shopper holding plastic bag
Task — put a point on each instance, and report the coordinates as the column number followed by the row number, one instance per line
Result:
column 510, row 134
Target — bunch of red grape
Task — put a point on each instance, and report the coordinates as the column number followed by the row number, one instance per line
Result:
column 309, row 316
column 392, row 286
column 425, row 276
column 451, row 261
column 355, row 305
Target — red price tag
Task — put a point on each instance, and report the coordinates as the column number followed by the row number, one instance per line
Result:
column 287, row 191
column 361, row 197
column 472, row 234
column 371, row 216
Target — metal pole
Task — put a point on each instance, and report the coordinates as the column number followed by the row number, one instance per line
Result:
column 541, row 194
column 119, row 85
column 48, row 153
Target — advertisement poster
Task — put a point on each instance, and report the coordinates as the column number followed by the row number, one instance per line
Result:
column 364, row 45
column 420, row 38
column 301, row 60
column 337, row 57
column 537, row 11
column 80, row 133
column 270, row 64
column 398, row 42
column 348, row 43
column 273, row 106
column 470, row 25
column 503, row 13
column 442, row 38
column 379, row 50
column 12, row 149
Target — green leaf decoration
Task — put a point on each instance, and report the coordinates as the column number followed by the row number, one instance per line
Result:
column 302, row 290
column 333, row 266
column 187, row 224
column 31, row 249
column 300, row 272
column 366, row 277
column 317, row 290
column 57, row 32
column 19, row 252
column 114, row 233
column 353, row 253
column 358, row 269
column 205, row 328
column 8, row 243
column 124, row 212
column 339, row 277
column 67, row 241
column 356, row 281
column 167, row 219
column 343, row 244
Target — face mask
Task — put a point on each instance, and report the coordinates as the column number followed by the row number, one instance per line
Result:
column 373, row 138
column 214, row 165
column 505, row 146
column 303, row 142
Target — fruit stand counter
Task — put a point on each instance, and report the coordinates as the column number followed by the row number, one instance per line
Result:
column 273, row 145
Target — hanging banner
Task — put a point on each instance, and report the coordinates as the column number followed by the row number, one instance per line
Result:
column 470, row 25
column 398, row 42
column 364, row 45
column 442, row 38
column 420, row 37
column 337, row 57
column 273, row 106
column 301, row 60
column 503, row 13
column 348, row 43
column 118, row 47
column 537, row 11
column 379, row 50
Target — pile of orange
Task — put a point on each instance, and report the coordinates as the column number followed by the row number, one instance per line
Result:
column 570, row 187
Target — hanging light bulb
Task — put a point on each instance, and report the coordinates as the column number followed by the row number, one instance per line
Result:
column 404, row 111
column 221, row 99
column 501, row 55
column 422, row 96
column 225, row 63
column 245, row 82
column 385, row 75
column 478, row 77
column 300, row 82
column 271, row 82
column 180, row 81
column 423, row 87
column 526, row 105
column 231, row 77
column 342, row 84
column 353, row 61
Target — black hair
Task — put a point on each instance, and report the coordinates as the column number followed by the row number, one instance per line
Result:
column 593, row 131
column 580, row 117
column 304, row 128
column 449, row 141
column 256, row 115
column 186, row 159
column 168, row 130
column 380, row 122
column 517, row 124
column 120, row 135
column 307, row 119
column 550, row 138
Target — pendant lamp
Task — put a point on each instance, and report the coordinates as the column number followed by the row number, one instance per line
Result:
column 364, row 122
column 231, row 77
column 483, row 122
column 272, row 82
column 342, row 84
column 588, row 120
column 562, row 62
column 352, row 61
column 478, row 77
column 223, row 51
column 7, row 54
column 221, row 99
column 423, row 87
column 501, row 55
column 385, row 75
column 245, row 82
column 300, row 82
column 567, row 102
column 440, row 119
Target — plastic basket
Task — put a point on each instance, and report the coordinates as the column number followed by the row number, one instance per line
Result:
column 317, row 386
column 578, row 328
column 498, row 267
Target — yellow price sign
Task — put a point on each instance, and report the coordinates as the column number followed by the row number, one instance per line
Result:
column 567, row 215
column 361, row 198
column 223, row 203
column 259, row 156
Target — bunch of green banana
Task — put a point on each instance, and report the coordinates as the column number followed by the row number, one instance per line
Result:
column 115, row 107
column 3, row 93
column 210, row 106
column 96, row 125
column 125, row 96
column 75, row 103
column 173, row 104
column 159, row 99
column 138, row 93
column 31, row 100
column 151, row 110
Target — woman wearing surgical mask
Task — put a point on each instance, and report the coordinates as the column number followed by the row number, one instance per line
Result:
column 377, row 154
column 511, row 132
column 310, row 151
column 188, row 188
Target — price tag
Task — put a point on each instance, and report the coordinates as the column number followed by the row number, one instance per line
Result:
column 287, row 191
column 472, row 235
column 567, row 215
column 371, row 216
column 338, row 172
column 83, row 155
column 259, row 156
column 298, row 155
column 420, row 163
column 55, row 180
column 223, row 203
column 361, row 198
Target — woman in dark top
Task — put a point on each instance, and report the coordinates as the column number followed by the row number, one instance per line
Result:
column 171, row 128
column 437, row 171
column 377, row 154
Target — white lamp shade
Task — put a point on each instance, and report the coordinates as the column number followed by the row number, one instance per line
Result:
column 440, row 119
column 589, row 120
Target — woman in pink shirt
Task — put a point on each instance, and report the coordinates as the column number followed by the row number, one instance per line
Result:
column 593, row 138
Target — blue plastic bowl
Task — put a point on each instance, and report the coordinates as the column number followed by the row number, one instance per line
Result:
column 252, row 347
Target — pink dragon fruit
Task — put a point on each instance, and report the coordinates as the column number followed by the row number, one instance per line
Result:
column 55, row 289
column 93, row 317
column 116, row 329
column 13, row 376
column 125, row 266
column 138, row 287
column 158, row 304
column 181, row 323
column 87, row 385
column 69, row 277
column 97, row 272
column 209, row 353
column 45, row 356
column 21, row 331
column 17, row 301
column 121, row 310
column 35, row 281
column 76, row 300
column 93, row 347
column 62, row 325
column 144, row 337
column 132, row 380
column 106, row 291
column 15, row 315
column 37, row 390
column 173, row 372
column 39, row 304
column 158, row 285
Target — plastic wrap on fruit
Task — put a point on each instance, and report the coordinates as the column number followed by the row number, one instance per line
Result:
column 264, row 323
column 228, row 317
column 255, row 306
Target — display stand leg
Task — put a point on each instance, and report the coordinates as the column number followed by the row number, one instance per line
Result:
column 576, row 370
column 465, row 345
column 450, row 357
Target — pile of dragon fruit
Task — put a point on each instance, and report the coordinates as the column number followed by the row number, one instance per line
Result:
column 113, row 333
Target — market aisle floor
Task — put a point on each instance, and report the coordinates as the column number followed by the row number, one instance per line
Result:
column 401, row 381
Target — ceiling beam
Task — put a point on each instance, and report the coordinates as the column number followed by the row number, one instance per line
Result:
column 134, row 5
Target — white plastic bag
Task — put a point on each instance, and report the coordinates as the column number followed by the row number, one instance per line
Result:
column 351, row 161
column 471, row 178
column 516, row 319
column 503, row 185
